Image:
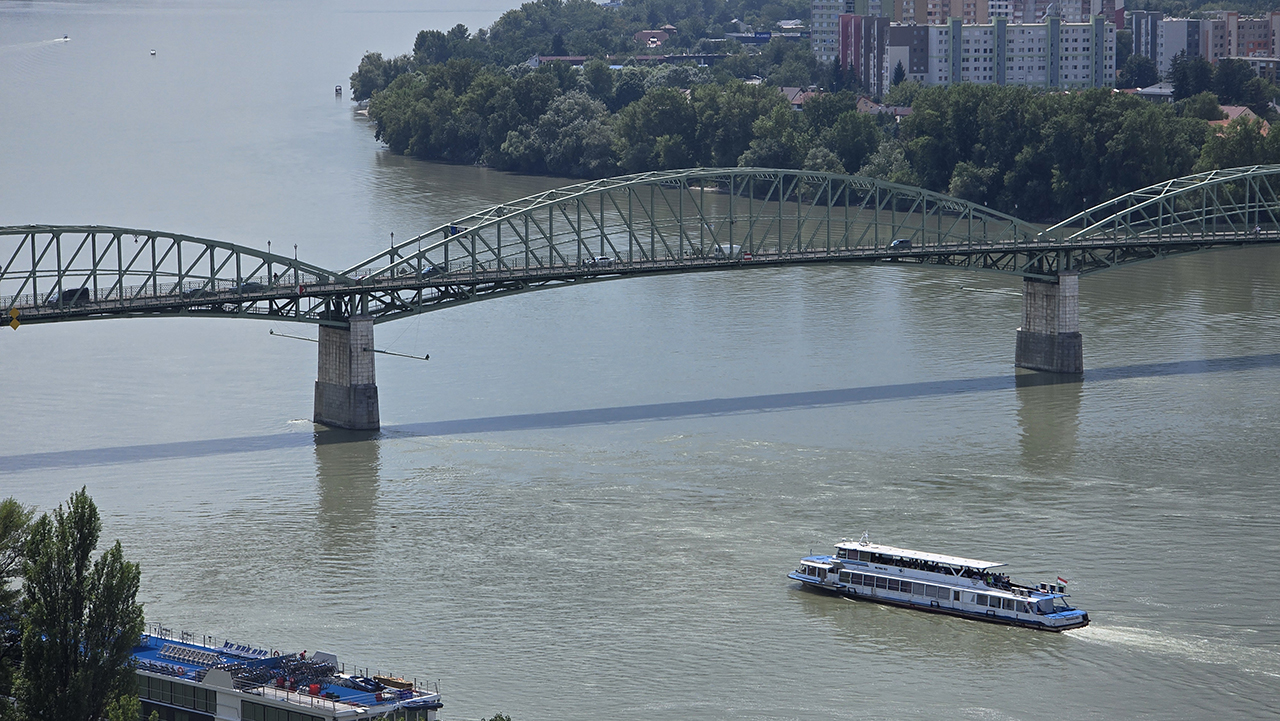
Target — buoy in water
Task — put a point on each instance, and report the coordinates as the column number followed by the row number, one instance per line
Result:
column 153, row 52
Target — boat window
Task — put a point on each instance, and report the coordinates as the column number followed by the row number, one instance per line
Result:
column 842, row 553
column 868, row 581
column 1022, row 607
column 864, row 556
column 957, row 595
column 893, row 584
column 844, row 576
column 1008, row 604
column 881, row 582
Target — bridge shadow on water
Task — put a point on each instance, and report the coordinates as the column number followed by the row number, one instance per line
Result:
column 628, row 414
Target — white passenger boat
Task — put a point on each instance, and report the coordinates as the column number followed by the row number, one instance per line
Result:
column 941, row 584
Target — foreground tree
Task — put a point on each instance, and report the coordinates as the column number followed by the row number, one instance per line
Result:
column 14, row 521
column 81, row 618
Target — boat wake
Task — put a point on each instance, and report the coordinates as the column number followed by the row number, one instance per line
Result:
column 1214, row 651
column 35, row 45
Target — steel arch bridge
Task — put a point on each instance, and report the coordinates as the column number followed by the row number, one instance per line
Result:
column 646, row 224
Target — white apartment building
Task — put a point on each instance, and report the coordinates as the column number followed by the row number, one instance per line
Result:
column 1052, row 54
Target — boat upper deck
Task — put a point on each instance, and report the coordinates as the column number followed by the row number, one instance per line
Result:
column 876, row 548
column 311, row 680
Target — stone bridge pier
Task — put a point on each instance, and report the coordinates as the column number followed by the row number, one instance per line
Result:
column 346, row 388
column 1049, row 339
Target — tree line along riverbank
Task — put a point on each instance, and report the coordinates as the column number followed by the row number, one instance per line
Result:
column 1034, row 154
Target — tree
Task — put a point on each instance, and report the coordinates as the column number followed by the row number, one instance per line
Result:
column 81, row 618
column 853, row 138
column 1138, row 71
column 1201, row 105
column 1229, row 79
column 1241, row 142
column 15, row 519
column 889, row 163
column 1190, row 76
column 899, row 74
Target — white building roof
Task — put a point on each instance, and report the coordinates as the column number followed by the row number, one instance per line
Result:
column 919, row 555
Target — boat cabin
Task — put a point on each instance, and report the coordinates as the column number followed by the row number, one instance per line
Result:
column 874, row 553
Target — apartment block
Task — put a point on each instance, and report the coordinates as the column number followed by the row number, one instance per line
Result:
column 1052, row 54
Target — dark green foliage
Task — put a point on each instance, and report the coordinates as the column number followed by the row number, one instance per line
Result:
column 1190, row 76
column 1202, row 105
column 15, row 520
column 899, row 73
column 375, row 73
column 1138, row 71
column 1124, row 46
column 663, row 113
column 1229, row 79
column 853, row 138
column 726, row 115
column 1240, row 143
column 1044, row 156
column 81, row 618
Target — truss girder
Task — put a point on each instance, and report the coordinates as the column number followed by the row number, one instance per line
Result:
column 653, row 223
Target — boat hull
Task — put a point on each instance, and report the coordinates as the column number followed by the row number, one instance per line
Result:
column 989, row 616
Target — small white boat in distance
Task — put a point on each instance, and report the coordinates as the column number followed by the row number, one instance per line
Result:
column 937, row 583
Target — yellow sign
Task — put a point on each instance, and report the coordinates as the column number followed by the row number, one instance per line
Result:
column 14, row 324
column 13, row 312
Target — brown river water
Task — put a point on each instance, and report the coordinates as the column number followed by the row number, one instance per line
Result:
column 531, row 535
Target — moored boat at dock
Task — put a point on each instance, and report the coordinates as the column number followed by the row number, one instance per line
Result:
column 937, row 583
column 199, row 679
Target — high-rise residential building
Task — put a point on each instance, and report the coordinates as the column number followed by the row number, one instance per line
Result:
column 1148, row 33
column 824, row 28
column 1179, row 35
column 1051, row 54
column 863, row 42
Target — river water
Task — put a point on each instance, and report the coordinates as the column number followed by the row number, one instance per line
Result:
column 530, row 528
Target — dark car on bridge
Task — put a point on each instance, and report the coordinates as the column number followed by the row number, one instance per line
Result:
column 250, row 287
column 903, row 243
column 197, row 293
column 69, row 298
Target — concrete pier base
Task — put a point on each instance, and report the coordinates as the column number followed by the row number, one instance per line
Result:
column 1049, row 339
column 346, row 388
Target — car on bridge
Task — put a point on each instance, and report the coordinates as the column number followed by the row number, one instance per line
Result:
column 69, row 298
column 901, row 243
column 601, row 261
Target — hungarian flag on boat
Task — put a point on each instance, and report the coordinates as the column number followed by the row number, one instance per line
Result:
column 1062, row 580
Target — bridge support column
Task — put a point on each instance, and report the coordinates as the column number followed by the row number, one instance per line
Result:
column 346, row 389
column 1049, row 339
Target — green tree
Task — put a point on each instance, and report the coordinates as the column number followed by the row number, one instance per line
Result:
column 1138, row 71
column 889, row 163
column 782, row 140
column 81, row 618
column 15, row 519
column 374, row 73
column 1241, row 142
column 1201, row 105
column 1229, row 79
column 661, row 112
column 969, row 182
column 899, row 74
column 853, row 138
column 1258, row 94
column 726, row 114
column 903, row 94
column 1190, row 76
